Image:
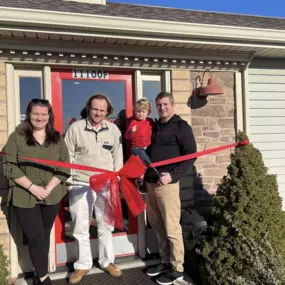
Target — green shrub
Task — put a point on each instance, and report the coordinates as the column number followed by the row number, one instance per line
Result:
column 246, row 240
column 4, row 273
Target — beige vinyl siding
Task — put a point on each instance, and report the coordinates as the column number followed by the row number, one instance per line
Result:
column 266, row 122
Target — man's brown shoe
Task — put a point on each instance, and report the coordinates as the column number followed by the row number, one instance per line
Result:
column 77, row 276
column 113, row 270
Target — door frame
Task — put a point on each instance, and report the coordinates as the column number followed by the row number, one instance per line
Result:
column 57, row 75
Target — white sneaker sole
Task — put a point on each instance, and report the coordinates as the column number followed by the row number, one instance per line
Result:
column 171, row 282
column 157, row 273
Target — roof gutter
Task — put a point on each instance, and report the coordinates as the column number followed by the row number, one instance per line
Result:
column 245, row 93
column 87, row 22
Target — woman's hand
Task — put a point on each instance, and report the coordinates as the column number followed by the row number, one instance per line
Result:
column 48, row 189
column 39, row 192
column 52, row 184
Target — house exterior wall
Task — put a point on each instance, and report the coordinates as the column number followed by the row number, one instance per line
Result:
column 181, row 89
column 4, row 230
column 265, row 109
column 214, row 125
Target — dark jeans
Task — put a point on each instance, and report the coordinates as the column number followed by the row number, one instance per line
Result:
column 141, row 152
column 36, row 224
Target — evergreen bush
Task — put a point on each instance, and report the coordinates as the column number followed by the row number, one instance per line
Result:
column 4, row 273
column 245, row 243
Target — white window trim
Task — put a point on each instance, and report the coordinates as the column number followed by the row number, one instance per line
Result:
column 13, row 106
column 24, row 73
column 11, row 98
column 245, row 80
column 138, row 81
column 239, row 102
column 14, row 262
column 167, row 81
column 46, row 83
column 164, row 78
column 48, row 95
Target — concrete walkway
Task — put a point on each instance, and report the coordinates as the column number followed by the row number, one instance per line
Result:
column 133, row 274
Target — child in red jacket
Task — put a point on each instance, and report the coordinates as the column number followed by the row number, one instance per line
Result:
column 139, row 132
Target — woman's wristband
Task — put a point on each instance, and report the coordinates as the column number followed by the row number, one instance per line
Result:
column 30, row 186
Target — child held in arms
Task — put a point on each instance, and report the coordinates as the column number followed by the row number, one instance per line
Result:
column 139, row 132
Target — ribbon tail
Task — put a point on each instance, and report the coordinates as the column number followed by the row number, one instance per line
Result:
column 132, row 197
column 113, row 208
column 112, row 203
column 116, row 204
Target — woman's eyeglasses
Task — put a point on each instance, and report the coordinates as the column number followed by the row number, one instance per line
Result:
column 40, row 101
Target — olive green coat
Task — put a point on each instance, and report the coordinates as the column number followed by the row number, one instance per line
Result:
column 16, row 167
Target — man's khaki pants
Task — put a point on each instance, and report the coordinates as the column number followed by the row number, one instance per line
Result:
column 163, row 211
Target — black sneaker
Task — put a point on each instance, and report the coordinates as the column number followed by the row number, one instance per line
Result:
column 141, row 187
column 157, row 269
column 170, row 277
column 47, row 281
column 36, row 280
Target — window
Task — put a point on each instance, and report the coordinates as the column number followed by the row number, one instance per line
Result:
column 150, row 90
column 149, row 85
column 30, row 88
column 28, row 85
column 75, row 94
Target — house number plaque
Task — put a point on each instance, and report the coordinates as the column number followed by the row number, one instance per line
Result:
column 90, row 74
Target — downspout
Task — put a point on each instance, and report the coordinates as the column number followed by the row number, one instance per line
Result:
column 244, row 92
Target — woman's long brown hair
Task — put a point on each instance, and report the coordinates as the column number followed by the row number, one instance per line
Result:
column 52, row 136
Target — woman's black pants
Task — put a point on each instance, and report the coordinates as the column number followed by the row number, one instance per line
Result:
column 36, row 224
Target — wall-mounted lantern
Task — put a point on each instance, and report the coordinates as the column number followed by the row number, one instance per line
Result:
column 212, row 88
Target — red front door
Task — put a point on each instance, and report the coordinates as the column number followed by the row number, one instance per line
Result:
column 70, row 92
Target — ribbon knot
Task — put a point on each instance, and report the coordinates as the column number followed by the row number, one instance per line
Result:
column 132, row 169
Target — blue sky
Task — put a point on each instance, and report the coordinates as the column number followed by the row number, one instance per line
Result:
column 272, row 8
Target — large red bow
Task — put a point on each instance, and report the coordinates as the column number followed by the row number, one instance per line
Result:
column 132, row 169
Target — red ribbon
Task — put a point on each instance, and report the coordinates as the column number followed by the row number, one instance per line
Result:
column 132, row 169
column 197, row 154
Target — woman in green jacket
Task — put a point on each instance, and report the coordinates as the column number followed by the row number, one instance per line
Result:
column 35, row 189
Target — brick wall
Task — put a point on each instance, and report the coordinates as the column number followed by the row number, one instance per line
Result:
column 181, row 89
column 213, row 124
column 4, row 231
